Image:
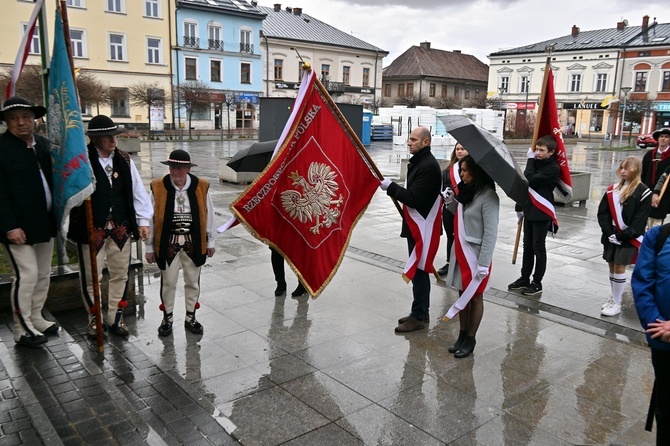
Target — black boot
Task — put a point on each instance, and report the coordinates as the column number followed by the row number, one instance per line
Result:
column 467, row 347
column 458, row 343
column 165, row 328
column 299, row 291
column 281, row 289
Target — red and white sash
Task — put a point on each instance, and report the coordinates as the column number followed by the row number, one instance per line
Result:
column 426, row 235
column 455, row 177
column 467, row 264
column 543, row 204
column 615, row 211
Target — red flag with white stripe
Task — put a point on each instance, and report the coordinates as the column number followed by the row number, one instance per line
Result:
column 24, row 49
column 426, row 235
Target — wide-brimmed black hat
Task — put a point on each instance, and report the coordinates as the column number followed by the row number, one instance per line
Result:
column 660, row 132
column 19, row 103
column 102, row 125
column 179, row 158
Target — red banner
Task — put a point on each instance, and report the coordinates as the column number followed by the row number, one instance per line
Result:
column 307, row 201
column 547, row 124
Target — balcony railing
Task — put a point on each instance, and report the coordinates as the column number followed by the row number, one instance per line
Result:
column 333, row 87
column 246, row 47
column 192, row 41
column 216, row 44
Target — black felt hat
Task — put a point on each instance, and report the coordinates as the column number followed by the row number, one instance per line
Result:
column 660, row 132
column 102, row 125
column 179, row 158
column 19, row 103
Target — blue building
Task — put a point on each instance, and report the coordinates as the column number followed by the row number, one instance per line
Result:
column 217, row 48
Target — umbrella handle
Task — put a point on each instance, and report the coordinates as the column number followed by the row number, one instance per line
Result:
column 516, row 242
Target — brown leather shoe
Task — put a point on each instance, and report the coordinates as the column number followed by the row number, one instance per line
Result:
column 402, row 320
column 410, row 324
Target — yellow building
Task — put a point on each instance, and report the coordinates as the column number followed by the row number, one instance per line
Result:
column 120, row 42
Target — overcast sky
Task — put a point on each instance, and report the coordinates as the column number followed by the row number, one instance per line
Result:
column 477, row 27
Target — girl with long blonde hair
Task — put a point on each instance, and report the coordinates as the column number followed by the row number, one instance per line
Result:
column 622, row 216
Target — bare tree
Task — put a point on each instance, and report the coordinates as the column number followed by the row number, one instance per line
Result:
column 230, row 101
column 412, row 100
column 29, row 84
column 449, row 102
column 484, row 102
column 193, row 95
column 147, row 95
column 378, row 103
column 92, row 90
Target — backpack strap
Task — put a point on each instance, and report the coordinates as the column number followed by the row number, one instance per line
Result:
column 662, row 238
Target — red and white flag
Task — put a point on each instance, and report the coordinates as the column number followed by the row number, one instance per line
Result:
column 24, row 49
column 548, row 124
column 308, row 199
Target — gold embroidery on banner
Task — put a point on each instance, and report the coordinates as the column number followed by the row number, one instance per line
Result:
column 317, row 201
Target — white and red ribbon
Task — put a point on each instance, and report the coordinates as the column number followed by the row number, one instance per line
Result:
column 613, row 198
column 426, row 235
column 467, row 264
column 543, row 205
column 455, row 177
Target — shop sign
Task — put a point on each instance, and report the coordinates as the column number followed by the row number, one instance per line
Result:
column 661, row 106
column 287, row 86
column 519, row 105
column 583, row 105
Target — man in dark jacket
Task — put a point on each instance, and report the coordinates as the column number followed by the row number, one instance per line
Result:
column 424, row 181
column 121, row 209
column 27, row 218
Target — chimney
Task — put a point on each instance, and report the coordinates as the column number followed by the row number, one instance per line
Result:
column 425, row 45
column 254, row 3
column 297, row 11
column 645, row 23
column 620, row 25
column 575, row 30
column 277, row 7
column 457, row 51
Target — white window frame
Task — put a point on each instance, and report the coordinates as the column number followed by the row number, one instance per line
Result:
column 156, row 51
column 76, row 3
column 123, row 45
column 115, row 6
column 35, row 47
column 246, row 37
column 597, row 87
column 82, row 51
column 524, row 83
column 660, row 80
column 152, row 6
column 220, row 61
column 214, row 32
column 575, row 78
column 197, row 74
column 251, row 77
column 503, row 82
column 646, row 86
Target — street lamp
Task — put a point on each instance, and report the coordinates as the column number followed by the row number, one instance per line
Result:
column 503, row 90
column 625, row 91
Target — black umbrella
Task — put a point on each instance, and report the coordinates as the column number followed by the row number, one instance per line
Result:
column 491, row 154
column 254, row 158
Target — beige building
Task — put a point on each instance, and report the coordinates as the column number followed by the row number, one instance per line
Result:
column 350, row 68
column 121, row 42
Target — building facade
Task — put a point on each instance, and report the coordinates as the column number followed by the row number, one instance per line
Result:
column 119, row 42
column 594, row 71
column 350, row 69
column 443, row 79
column 217, row 49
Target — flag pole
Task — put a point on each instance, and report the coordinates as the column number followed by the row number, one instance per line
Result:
column 95, row 280
column 359, row 145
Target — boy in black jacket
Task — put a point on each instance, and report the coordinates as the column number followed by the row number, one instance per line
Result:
column 542, row 172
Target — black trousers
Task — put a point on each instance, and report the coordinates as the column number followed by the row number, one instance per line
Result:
column 534, row 249
column 448, row 223
column 278, row 266
column 420, row 290
column 660, row 359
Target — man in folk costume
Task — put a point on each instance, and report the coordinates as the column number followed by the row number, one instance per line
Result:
column 654, row 163
column 27, row 218
column 121, row 210
column 182, row 236
column 421, row 223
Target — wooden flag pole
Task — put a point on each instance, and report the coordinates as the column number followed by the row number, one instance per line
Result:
column 516, row 242
column 665, row 186
column 88, row 206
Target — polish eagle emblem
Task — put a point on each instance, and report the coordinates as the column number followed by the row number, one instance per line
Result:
column 317, row 203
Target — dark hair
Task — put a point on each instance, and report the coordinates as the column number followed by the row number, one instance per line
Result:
column 480, row 179
column 547, row 141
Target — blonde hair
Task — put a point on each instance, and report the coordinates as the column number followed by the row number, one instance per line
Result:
column 633, row 165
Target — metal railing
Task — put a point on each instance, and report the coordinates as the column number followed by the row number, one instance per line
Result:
column 192, row 41
column 216, row 44
column 246, row 47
